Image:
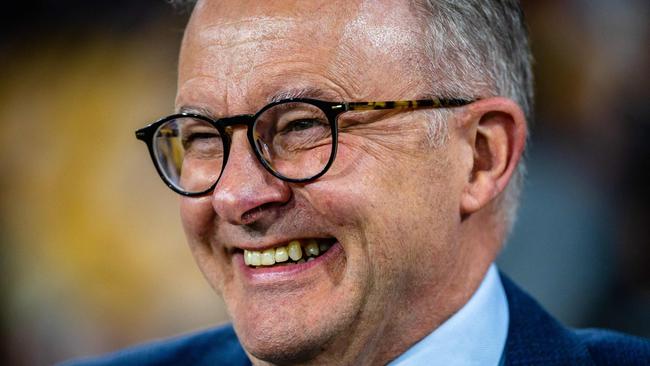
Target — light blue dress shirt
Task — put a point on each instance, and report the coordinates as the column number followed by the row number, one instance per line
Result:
column 475, row 335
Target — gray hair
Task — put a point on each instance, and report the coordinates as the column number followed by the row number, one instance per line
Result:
column 481, row 46
column 476, row 48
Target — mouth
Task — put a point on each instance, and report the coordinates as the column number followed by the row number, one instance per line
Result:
column 294, row 252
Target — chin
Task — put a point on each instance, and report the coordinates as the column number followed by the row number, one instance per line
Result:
column 293, row 327
column 279, row 340
column 286, row 351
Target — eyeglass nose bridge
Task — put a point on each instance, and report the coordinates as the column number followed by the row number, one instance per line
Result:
column 247, row 120
column 227, row 123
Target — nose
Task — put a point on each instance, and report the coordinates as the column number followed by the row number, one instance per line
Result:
column 246, row 191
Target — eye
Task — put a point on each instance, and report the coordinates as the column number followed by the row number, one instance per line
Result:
column 198, row 137
column 301, row 125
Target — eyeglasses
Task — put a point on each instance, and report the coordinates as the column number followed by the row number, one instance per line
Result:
column 294, row 139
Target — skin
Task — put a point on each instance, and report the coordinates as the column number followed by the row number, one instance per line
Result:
column 417, row 226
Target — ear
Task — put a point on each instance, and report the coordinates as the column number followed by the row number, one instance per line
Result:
column 494, row 130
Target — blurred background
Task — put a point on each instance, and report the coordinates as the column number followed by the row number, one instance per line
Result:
column 92, row 252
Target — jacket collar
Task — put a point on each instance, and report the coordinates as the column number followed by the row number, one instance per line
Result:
column 536, row 338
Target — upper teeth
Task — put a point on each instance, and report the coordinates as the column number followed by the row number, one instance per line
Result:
column 293, row 250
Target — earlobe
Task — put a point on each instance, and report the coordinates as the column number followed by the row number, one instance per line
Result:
column 496, row 135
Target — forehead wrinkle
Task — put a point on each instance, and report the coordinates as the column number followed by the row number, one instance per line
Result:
column 250, row 56
column 239, row 31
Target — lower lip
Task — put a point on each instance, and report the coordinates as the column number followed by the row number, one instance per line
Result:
column 286, row 272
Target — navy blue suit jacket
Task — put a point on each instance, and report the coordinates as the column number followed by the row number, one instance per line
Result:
column 534, row 338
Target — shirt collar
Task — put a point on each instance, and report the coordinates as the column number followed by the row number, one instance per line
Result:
column 475, row 335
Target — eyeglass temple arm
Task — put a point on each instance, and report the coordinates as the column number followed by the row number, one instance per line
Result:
column 404, row 104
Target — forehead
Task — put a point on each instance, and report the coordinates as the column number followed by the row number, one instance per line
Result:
column 235, row 52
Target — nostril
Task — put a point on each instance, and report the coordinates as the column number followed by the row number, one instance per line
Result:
column 254, row 214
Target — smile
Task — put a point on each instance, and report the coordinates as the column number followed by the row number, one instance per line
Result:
column 294, row 252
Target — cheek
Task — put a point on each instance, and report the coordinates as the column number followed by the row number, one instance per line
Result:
column 197, row 216
column 395, row 201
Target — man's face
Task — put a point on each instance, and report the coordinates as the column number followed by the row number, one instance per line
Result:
column 389, row 204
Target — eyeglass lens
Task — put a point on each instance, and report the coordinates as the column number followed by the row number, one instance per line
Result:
column 294, row 139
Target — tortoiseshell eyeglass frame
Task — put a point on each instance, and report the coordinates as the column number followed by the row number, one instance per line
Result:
column 331, row 109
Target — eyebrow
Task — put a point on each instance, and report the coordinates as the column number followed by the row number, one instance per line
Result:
column 290, row 93
column 303, row 92
column 203, row 111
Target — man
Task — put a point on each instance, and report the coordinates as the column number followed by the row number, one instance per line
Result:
column 349, row 171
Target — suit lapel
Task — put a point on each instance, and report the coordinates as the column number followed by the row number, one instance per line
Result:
column 536, row 338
